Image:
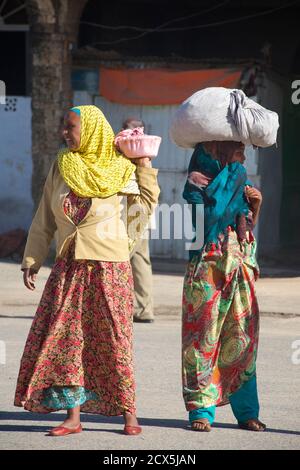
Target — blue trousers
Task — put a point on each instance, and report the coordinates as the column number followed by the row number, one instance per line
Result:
column 244, row 404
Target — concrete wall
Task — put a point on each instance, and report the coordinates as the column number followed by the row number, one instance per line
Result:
column 15, row 163
column 270, row 170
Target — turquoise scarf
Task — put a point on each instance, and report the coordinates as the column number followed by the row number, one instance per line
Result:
column 223, row 198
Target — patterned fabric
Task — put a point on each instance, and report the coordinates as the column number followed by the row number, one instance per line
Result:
column 220, row 321
column 223, row 198
column 76, row 208
column 64, row 398
column 79, row 347
column 97, row 169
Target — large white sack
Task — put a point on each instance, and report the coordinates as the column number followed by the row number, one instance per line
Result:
column 218, row 113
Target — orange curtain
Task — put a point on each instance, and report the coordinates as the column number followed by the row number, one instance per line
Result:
column 161, row 86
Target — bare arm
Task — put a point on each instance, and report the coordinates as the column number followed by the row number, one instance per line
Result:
column 255, row 199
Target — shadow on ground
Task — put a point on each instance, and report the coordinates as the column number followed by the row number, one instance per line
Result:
column 99, row 419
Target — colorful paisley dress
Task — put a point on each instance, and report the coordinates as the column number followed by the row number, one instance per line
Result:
column 220, row 321
column 79, row 347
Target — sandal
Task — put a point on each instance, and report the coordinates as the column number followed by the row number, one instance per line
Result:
column 206, row 425
column 132, row 430
column 63, row 431
column 253, row 425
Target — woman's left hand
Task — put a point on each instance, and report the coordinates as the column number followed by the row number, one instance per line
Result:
column 254, row 196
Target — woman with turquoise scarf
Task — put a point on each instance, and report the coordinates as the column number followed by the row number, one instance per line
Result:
column 220, row 323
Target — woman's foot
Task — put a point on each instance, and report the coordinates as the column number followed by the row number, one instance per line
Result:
column 70, row 425
column 63, row 431
column 201, row 424
column 73, row 418
column 253, row 425
column 131, row 427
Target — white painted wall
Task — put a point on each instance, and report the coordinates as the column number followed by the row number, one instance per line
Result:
column 15, row 163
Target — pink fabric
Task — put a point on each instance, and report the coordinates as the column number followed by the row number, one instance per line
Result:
column 129, row 133
column 134, row 143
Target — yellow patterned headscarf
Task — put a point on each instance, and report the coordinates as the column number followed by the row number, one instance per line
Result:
column 96, row 169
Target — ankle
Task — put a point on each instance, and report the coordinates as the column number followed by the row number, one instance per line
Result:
column 73, row 414
column 130, row 419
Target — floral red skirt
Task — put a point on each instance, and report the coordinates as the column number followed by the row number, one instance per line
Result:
column 81, row 337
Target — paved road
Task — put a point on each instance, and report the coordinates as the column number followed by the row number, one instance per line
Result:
column 160, row 407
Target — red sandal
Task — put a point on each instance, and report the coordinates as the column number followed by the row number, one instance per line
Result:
column 62, row 431
column 132, row 430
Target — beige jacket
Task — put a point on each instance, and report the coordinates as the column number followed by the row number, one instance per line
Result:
column 103, row 232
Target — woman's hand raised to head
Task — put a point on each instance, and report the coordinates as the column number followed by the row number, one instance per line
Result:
column 255, row 199
column 254, row 196
column 142, row 161
column 29, row 278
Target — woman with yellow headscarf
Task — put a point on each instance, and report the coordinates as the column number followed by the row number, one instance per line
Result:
column 96, row 169
column 78, row 354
